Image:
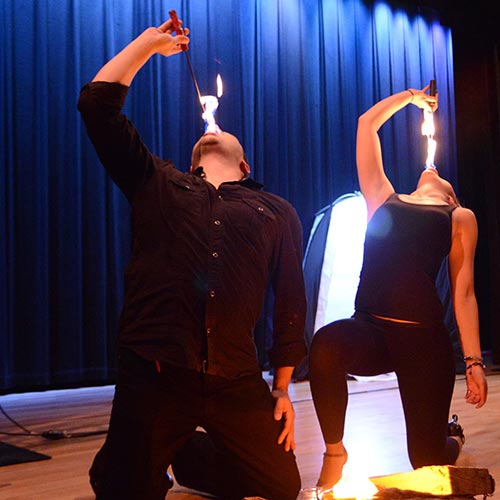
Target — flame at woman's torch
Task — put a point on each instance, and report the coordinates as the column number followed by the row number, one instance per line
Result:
column 210, row 104
column 429, row 130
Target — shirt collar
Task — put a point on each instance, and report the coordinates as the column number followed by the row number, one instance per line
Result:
column 247, row 181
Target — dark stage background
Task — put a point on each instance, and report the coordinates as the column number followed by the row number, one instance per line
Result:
column 296, row 73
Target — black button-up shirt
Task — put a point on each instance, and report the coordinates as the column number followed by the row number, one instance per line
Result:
column 202, row 258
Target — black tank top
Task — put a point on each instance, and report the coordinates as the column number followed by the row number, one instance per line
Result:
column 404, row 248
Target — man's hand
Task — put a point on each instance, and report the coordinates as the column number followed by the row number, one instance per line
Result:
column 170, row 44
column 123, row 67
column 283, row 410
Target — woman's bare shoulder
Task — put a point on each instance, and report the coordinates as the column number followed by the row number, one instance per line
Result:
column 464, row 220
column 464, row 215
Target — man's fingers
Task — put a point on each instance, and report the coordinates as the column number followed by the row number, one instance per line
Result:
column 165, row 26
column 278, row 410
column 282, row 436
column 287, row 437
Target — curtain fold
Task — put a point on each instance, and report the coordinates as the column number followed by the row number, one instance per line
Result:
column 296, row 73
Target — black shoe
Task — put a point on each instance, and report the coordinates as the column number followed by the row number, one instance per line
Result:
column 455, row 429
column 96, row 474
column 97, row 486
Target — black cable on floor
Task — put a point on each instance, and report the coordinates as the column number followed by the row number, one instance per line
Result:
column 52, row 434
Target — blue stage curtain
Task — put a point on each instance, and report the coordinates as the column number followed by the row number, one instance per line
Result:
column 297, row 73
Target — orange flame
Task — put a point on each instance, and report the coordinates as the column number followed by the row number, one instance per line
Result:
column 220, row 88
column 428, row 130
column 354, row 483
column 354, row 486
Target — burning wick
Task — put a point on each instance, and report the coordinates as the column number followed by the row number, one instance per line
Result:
column 429, row 130
column 210, row 104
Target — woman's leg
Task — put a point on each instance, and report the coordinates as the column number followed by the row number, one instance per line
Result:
column 354, row 346
column 425, row 367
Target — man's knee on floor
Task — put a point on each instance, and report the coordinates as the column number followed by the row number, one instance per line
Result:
column 197, row 465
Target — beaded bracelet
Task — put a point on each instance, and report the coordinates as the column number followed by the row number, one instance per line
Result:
column 473, row 358
column 475, row 363
column 411, row 93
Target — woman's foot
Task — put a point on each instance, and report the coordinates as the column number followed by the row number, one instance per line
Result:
column 333, row 464
column 455, row 430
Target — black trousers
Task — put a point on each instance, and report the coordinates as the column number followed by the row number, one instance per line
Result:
column 156, row 413
column 421, row 356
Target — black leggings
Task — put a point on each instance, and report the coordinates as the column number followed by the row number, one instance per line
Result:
column 423, row 360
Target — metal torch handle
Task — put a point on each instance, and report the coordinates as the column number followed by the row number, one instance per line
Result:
column 177, row 27
column 432, row 89
column 180, row 31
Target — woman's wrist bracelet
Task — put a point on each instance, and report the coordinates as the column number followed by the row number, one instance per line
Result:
column 475, row 363
column 473, row 358
column 411, row 93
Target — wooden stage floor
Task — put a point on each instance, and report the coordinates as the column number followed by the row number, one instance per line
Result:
column 375, row 436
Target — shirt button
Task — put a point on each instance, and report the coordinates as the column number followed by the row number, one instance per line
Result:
column 217, row 222
column 212, row 294
column 220, row 197
column 209, row 331
column 215, row 255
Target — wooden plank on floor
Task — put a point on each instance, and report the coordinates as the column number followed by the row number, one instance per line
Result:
column 439, row 480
